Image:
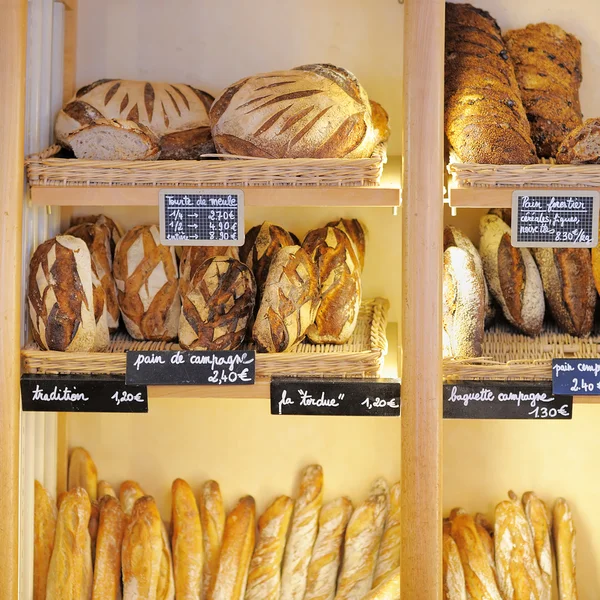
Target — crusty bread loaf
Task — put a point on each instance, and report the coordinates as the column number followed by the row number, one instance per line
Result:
column 146, row 276
column 313, row 111
column 264, row 576
column 486, row 531
column 212, row 518
column 105, row 489
column 388, row 589
column 568, row 282
column 236, row 552
column 389, row 550
column 129, row 493
column 70, row 571
column 93, row 526
column 512, row 275
column 381, row 121
column 356, row 232
column 60, row 295
column 539, row 521
column 581, row 145
column 340, row 290
column 83, row 472
column 217, row 306
column 44, row 528
column 102, row 336
column 116, row 232
column 107, row 565
column 327, row 551
column 177, row 114
column 303, row 533
column 453, row 575
column 563, row 531
column 192, row 258
column 165, row 589
column 290, row 301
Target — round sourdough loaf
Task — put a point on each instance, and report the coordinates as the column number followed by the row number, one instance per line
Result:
column 191, row 260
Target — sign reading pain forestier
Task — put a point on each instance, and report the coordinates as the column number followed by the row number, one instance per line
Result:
column 547, row 218
column 201, row 217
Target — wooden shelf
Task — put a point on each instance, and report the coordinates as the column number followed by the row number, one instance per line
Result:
column 385, row 194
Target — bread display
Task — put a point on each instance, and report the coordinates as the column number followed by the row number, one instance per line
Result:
column 212, row 519
column 146, row 276
column 563, row 532
column 192, row 258
column 44, row 529
column 485, row 121
column 581, row 145
column 547, row 63
column 176, row 115
column 312, row 111
column 217, row 306
column 388, row 558
column 341, row 291
column 83, row 472
column 356, row 233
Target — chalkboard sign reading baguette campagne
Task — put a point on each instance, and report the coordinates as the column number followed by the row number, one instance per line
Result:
column 577, row 376
column 335, row 397
column 82, row 393
column 505, row 400
column 547, row 218
column 179, row 367
column 201, row 217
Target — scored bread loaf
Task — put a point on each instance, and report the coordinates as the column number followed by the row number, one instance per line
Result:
column 105, row 489
column 453, row 575
column 192, row 258
column 388, row 589
column 217, row 306
column 116, row 232
column 236, row 552
column 264, row 576
column 212, row 518
column 486, row 531
column 303, row 533
column 340, row 290
column 563, row 531
column 146, row 276
column 187, row 542
column 512, row 275
column 581, row 145
column 177, row 114
column 547, row 63
column 44, row 529
column 107, row 565
column 389, row 550
column 60, row 295
column 102, row 337
column 568, row 282
column 290, row 301
column 327, row 552
column 70, row 571
column 83, row 472
column 312, row 111
column 355, row 231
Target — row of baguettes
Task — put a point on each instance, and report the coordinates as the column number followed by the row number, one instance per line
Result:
column 102, row 547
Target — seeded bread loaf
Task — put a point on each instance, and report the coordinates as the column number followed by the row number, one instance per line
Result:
column 581, row 145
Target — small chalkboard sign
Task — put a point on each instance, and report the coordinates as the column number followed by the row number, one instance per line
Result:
column 555, row 219
column 576, row 376
column 201, row 217
column 82, row 393
column 179, row 367
column 505, row 400
column 335, row 397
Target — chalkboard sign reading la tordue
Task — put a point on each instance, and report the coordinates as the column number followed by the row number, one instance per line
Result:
column 201, row 217
column 179, row 367
column 547, row 218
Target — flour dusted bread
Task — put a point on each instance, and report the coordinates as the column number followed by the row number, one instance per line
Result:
column 116, row 232
column 453, row 575
column 146, row 276
column 129, row 493
column 313, row 111
column 192, row 257
column 60, row 295
column 563, row 531
column 357, row 235
column 212, row 518
column 44, row 528
column 105, row 489
column 83, row 472
column 388, row 558
column 388, row 589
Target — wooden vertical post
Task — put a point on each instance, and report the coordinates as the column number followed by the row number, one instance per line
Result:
column 13, row 40
column 70, row 65
column 422, row 228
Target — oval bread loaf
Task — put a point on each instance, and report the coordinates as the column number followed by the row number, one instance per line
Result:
column 192, row 258
column 116, row 232
column 356, row 232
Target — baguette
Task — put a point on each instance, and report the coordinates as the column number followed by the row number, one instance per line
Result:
column 453, row 573
column 70, row 571
column 541, row 529
column 388, row 589
column 564, row 542
column 303, row 533
column 83, row 472
column 483, row 530
column 187, row 542
column 212, row 517
column 236, row 552
column 327, row 552
column 44, row 528
column 129, row 493
column 93, row 527
column 107, row 566
column 264, row 577
column 105, row 489
column 389, row 551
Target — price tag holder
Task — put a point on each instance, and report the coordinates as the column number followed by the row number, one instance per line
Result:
column 505, row 400
column 576, row 376
column 552, row 219
column 201, row 217
column 180, row 367
column 85, row 393
column 335, row 397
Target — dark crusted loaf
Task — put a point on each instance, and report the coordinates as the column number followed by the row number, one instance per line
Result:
column 582, row 145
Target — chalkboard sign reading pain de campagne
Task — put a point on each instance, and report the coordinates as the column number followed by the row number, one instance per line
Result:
column 203, row 217
column 546, row 218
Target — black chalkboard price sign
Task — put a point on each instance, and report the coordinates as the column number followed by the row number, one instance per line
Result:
column 505, row 400
column 201, row 217
column 335, row 397
column 548, row 218
column 577, row 376
column 82, row 393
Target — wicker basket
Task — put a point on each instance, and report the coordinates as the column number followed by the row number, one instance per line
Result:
column 361, row 356
column 45, row 169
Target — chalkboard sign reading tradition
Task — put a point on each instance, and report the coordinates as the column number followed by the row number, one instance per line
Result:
column 505, row 400
column 548, row 218
column 202, row 217
column 82, row 393
column 576, row 376
column 179, row 367
column 335, row 397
